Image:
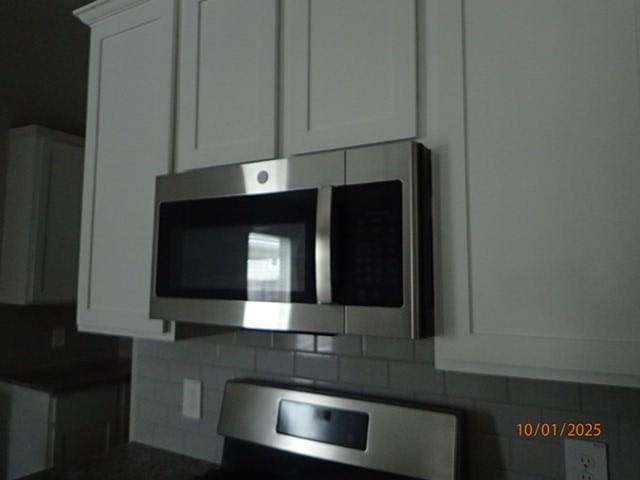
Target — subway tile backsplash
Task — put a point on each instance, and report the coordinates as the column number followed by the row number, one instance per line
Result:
column 384, row 367
column 316, row 366
column 364, row 371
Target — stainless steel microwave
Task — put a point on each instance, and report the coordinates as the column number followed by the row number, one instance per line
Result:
column 337, row 242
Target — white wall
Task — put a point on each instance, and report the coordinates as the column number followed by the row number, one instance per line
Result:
column 45, row 65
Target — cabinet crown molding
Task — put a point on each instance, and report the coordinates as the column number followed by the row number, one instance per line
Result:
column 101, row 9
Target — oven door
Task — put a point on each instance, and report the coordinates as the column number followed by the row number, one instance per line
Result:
column 248, row 245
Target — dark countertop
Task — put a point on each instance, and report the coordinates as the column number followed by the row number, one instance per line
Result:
column 71, row 377
column 133, row 461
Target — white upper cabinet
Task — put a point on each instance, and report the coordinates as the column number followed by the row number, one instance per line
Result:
column 129, row 142
column 349, row 73
column 536, row 132
column 40, row 200
column 226, row 105
column 260, row 78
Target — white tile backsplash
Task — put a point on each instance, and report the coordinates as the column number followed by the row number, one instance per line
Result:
column 544, row 393
column 316, row 366
column 275, row 361
column 364, row 371
column 390, row 368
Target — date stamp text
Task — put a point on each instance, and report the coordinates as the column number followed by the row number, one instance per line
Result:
column 560, row 430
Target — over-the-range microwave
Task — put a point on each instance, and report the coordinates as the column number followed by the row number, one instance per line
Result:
column 338, row 242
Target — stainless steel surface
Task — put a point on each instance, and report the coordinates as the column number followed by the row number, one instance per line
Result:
column 401, row 440
column 390, row 161
column 384, row 162
column 323, row 245
column 309, row 171
column 296, row 317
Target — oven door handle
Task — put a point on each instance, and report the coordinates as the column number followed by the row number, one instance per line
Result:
column 323, row 245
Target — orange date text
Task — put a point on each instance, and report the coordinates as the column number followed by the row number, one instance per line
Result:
column 567, row 429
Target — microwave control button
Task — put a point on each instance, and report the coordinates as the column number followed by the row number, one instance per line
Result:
column 263, row 176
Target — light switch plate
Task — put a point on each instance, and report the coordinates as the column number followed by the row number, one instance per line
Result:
column 585, row 460
column 192, row 399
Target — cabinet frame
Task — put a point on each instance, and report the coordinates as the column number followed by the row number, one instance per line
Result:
column 457, row 346
column 107, row 24
column 26, row 211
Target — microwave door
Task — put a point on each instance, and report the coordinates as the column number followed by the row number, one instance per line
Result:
column 260, row 261
column 248, row 248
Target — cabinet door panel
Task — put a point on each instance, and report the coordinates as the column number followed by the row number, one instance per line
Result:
column 56, row 275
column 128, row 144
column 227, row 77
column 349, row 72
column 537, row 138
column 16, row 249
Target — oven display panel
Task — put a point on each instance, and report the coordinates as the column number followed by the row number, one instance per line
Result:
column 344, row 428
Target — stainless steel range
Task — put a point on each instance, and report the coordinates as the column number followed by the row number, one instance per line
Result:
column 279, row 432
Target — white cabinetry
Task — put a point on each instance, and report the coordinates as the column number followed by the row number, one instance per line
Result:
column 129, row 142
column 40, row 200
column 349, row 73
column 536, row 131
column 360, row 88
column 226, row 105
column 43, row 429
column 348, row 77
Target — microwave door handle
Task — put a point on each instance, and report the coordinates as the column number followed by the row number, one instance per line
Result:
column 323, row 245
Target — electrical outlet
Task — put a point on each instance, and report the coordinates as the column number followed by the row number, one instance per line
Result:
column 585, row 460
column 585, row 476
column 192, row 399
column 58, row 337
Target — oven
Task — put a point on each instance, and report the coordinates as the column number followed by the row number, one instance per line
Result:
column 284, row 432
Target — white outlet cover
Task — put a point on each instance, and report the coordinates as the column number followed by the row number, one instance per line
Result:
column 192, row 399
column 585, row 460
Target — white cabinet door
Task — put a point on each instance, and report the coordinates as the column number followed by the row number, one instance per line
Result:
column 226, row 109
column 21, row 172
column 129, row 135
column 40, row 211
column 349, row 73
column 56, row 272
column 536, row 131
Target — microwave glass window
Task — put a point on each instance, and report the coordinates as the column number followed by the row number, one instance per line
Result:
column 275, row 262
column 258, row 247
column 197, row 247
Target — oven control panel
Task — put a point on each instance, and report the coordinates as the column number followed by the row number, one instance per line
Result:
column 344, row 428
